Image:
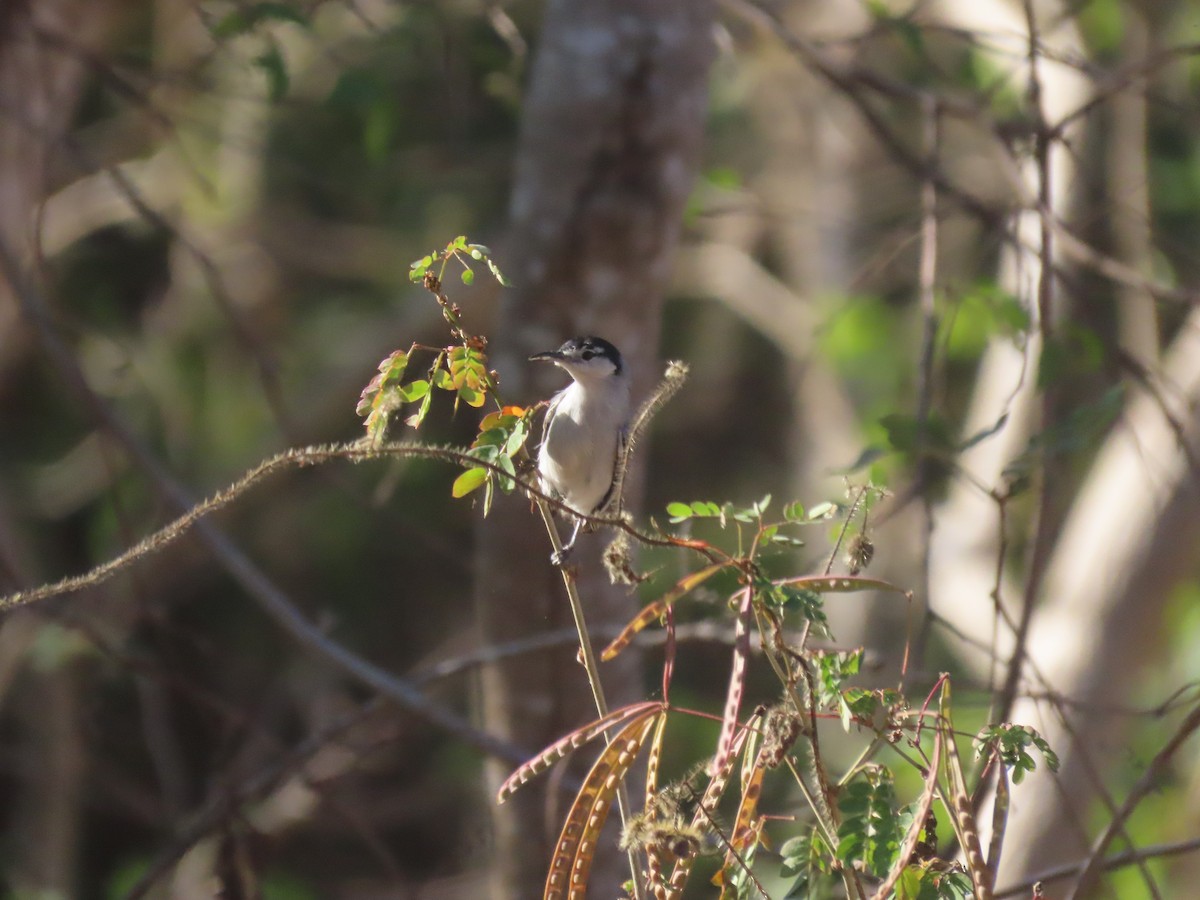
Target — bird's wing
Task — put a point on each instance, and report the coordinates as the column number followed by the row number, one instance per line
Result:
column 613, row 500
column 548, row 418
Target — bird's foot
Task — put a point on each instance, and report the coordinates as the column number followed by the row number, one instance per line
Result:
column 559, row 558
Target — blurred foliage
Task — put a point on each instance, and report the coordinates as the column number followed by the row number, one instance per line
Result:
column 297, row 157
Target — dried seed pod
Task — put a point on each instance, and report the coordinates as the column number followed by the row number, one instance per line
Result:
column 859, row 553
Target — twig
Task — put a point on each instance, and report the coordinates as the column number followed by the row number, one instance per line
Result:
column 1144, row 785
column 297, row 458
column 1120, row 861
column 239, row 566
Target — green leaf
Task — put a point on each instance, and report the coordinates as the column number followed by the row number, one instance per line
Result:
column 869, row 707
column 743, row 514
column 808, row 859
column 468, row 276
column 493, row 437
column 786, row 540
column 497, row 274
column 471, row 397
column 825, row 510
column 414, row 390
column 870, row 832
column 506, row 484
column 833, row 668
column 516, row 440
column 418, row 417
column 809, row 603
column 394, row 365
column 489, row 491
column 794, row 512
column 1009, row 743
column 679, row 512
column 468, row 481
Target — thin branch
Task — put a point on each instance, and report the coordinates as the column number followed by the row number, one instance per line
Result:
column 239, row 566
column 1144, row 786
column 296, row 458
column 1120, row 861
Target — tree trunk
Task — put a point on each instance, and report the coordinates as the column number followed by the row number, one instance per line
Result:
column 608, row 152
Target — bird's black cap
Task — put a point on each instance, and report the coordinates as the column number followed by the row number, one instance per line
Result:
column 585, row 347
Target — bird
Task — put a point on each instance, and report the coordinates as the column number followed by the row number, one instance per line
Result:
column 584, row 430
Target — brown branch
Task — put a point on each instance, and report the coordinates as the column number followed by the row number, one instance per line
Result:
column 235, row 562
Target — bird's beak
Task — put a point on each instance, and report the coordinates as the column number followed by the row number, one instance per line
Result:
column 552, row 355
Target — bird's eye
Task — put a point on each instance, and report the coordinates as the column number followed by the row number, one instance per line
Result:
column 587, row 354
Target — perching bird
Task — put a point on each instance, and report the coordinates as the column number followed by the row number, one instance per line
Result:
column 584, row 429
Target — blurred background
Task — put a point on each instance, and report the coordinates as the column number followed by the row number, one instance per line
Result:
column 838, row 213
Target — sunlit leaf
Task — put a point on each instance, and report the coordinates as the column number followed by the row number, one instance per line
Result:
column 418, row 417
column 679, row 512
column 468, row 481
column 822, row 511
column 442, row 379
column 497, row 274
column 471, row 397
column 415, row 390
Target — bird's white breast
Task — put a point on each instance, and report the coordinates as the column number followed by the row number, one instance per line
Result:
column 578, row 456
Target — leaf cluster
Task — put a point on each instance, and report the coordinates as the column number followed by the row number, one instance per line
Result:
column 1009, row 743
